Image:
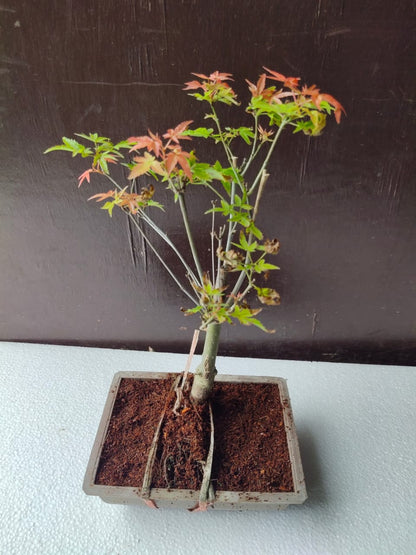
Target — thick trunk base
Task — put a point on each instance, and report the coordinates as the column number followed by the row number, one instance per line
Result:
column 205, row 372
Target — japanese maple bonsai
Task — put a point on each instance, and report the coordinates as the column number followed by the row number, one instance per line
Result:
column 239, row 250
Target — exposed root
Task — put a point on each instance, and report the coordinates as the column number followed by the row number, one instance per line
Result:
column 206, row 493
column 147, row 480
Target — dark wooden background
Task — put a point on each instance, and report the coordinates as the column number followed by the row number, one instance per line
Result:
column 342, row 205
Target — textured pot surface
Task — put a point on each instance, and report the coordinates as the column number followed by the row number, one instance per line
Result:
column 187, row 499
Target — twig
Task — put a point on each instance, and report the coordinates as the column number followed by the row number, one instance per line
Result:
column 190, row 237
column 172, row 275
column 212, row 246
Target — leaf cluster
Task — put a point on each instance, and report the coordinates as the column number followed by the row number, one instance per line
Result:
column 239, row 260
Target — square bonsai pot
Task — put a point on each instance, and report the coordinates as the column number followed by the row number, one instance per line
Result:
column 185, row 498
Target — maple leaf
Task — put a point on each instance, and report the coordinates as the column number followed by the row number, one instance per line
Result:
column 191, row 85
column 317, row 98
column 143, row 165
column 139, row 142
column 152, row 142
column 258, row 89
column 283, row 94
column 183, row 162
column 178, row 156
column 201, row 75
column 218, row 77
column 86, row 175
column 177, row 133
column 290, row 82
column 215, row 76
column 103, row 196
column 334, row 102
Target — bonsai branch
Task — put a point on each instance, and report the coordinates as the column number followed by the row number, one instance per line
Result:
column 190, row 236
column 158, row 256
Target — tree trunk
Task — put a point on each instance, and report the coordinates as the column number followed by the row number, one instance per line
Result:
column 206, row 371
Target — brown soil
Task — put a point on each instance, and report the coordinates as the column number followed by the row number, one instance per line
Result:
column 250, row 454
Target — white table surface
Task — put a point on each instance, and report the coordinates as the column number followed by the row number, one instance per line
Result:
column 356, row 428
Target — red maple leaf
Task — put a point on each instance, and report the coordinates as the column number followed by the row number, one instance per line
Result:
column 178, row 156
column 215, row 76
column 103, row 196
column 191, row 85
column 152, row 142
column 256, row 90
column 290, row 82
column 86, row 175
column 317, row 97
column 284, row 94
column 176, row 134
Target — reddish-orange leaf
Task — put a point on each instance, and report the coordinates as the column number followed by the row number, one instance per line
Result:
column 171, row 161
column 214, row 78
column 334, row 102
column 200, row 75
column 218, row 77
column 86, row 175
column 139, row 142
column 191, row 85
column 256, row 90
column 152, row 142
column 183, row 162
column 176, row 134
column 317, row 97
column 142, row 166
column 291, row 82
column 103, row 196
column 284, row 94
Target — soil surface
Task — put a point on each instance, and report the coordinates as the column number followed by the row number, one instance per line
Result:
column 251, row 452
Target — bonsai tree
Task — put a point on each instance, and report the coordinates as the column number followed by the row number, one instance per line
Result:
column 239, row 250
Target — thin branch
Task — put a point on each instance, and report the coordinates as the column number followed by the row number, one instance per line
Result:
column 190, row 236
column 212, row 247
column 167, row 240
column 228, row 152
column 163, row 235
column 176, row 280
column 242, row 276
column 231, row 226
column 253, row 149
column 267, row 158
